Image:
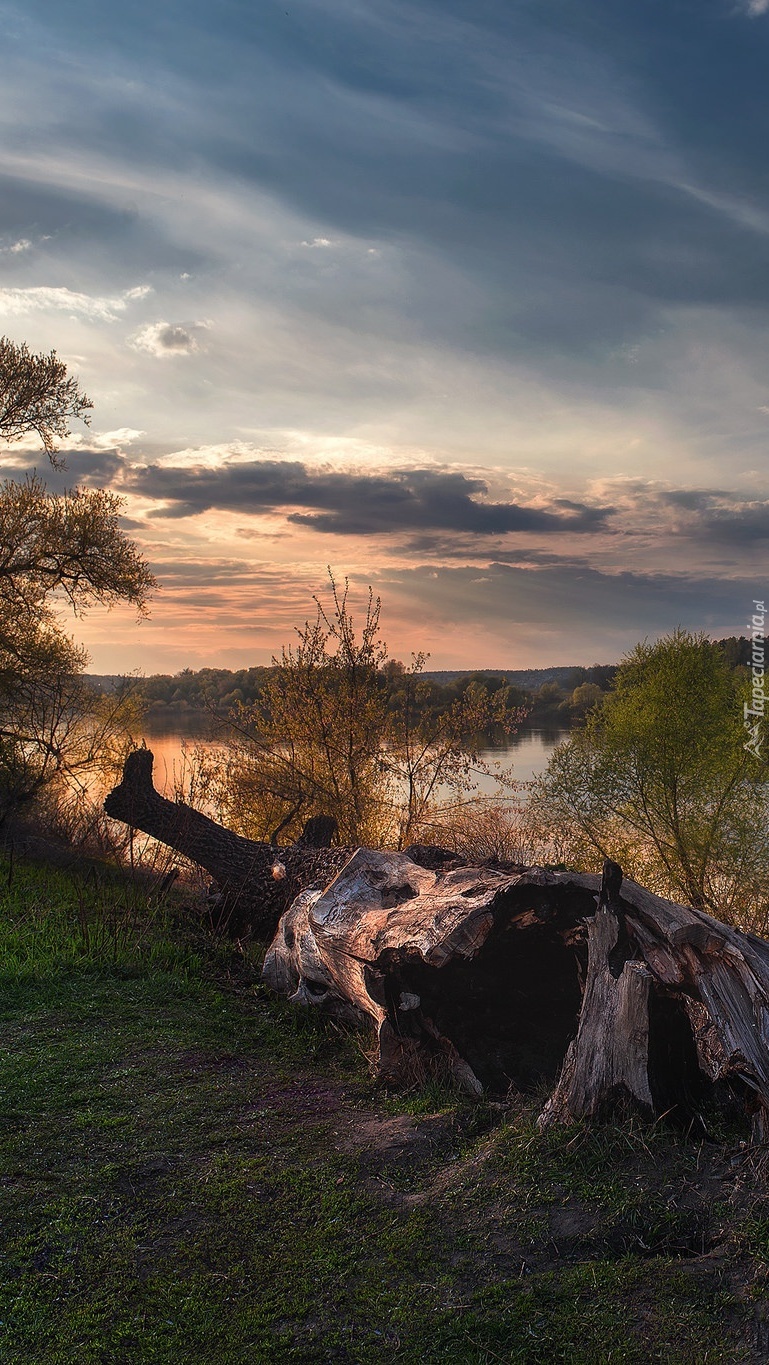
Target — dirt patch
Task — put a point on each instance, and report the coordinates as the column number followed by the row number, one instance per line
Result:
column 401, row 1143
column 386, row 1145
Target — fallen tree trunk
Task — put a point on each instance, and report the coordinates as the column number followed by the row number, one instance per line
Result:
column 255, row 882
column 494, row 977
column 504, row 980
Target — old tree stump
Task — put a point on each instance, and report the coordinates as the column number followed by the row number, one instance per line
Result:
column 498, row 977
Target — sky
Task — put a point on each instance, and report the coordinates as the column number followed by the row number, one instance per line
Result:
column 467, row 300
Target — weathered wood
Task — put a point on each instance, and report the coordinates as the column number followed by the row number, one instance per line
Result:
column 256, row 881
column 427, row 956
column 609, row 1057
column 494, row 976
column 477, row 973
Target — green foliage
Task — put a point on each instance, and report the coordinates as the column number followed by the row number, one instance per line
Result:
column 660, row 781
column 217, row 690
column 55, row 923
column 205, row 689
column 54, row 549
column 585, row 697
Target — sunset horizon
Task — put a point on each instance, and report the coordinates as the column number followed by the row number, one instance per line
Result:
column 469, row 305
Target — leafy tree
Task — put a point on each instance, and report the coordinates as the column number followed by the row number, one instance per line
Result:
column 584, row 697
column 55, row 550
column 67, row 545
column 660, row 781
column 549, row 697
column 339, row 729
column 37, row 394
column 313, row 743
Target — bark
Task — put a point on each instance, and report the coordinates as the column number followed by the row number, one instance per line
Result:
column 505, row 979
column 255, row 882
column 497, row 977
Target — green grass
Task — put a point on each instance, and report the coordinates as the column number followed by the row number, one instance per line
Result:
column 191, row 1171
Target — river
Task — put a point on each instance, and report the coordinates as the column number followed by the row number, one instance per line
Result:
column 528, row 751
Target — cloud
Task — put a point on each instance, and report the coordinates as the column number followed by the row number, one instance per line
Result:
column 567, row 600
column 354, row 503
column 39, row 298
column 703, row 514
column 165, row 339
column 16, row 248
column 739, row 525
column 121, row 436
column 91, row 468
column 755, row 8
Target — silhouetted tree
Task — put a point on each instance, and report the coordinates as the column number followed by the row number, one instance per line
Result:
column 54, row 548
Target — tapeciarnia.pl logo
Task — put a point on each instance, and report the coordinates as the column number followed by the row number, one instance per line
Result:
column 755, row 709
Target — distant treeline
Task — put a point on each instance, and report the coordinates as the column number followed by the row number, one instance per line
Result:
column 558, row 695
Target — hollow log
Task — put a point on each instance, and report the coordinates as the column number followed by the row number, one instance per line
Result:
column 497, row 977
column 255, row 881
column 507, row 980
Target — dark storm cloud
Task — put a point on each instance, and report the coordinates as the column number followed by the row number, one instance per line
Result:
column 449, row 549
column 693, row 499
column 353, row 504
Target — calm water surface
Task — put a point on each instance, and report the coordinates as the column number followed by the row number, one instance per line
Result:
column 528, row 751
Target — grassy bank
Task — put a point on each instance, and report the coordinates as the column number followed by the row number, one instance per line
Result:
column 192, row 1172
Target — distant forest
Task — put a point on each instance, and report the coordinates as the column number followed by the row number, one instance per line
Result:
column 559, row 696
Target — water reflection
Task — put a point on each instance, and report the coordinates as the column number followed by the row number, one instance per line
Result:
column 528, row 751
